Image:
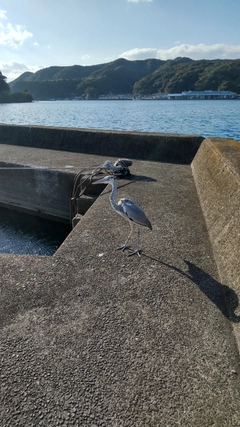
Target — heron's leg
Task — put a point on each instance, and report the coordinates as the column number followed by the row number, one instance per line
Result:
column 123, row 247
column 137, row 250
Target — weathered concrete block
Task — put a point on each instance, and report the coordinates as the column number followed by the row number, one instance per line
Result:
column 172, row 148
column 39, row 191
column 216, row 170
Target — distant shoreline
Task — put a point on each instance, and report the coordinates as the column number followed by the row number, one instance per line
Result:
column 138, row 99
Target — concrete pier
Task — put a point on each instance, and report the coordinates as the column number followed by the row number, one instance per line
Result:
column 216, row 169
column 139, row 145
column 92, row 337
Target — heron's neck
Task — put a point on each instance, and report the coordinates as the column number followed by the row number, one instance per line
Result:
column 112, row 195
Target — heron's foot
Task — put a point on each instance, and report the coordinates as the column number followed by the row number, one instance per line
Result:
column 137, row 251
column 122, row 248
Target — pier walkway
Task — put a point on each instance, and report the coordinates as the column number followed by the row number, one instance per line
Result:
column 93, row 338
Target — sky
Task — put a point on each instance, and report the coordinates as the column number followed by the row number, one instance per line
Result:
column 36, row 34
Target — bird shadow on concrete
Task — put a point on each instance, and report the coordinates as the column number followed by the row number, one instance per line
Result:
column 221, row 295
column 141, row 178
column 224, row 298
column 131, row 179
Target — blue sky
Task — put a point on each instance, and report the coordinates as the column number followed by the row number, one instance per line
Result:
column 35, row 34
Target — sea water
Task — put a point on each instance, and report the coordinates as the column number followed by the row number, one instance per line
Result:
column 219, row 118
column 21, row 233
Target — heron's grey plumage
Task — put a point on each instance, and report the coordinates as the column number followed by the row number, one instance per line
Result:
column 128, row 210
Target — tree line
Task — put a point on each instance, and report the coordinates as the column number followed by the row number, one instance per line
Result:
column 6, row 96
column 150, row 76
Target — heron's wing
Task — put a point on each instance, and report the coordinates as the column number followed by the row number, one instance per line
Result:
column 134, row 213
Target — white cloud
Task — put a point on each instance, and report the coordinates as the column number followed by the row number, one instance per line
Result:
column 3, row 14
column 86, row 57
column 200, row 51
column 12, row 35
column 12, row 70
column 141, row 53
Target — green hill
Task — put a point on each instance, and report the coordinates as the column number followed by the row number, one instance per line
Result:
column 183, row 74
column 6, row 96
column 135, row 77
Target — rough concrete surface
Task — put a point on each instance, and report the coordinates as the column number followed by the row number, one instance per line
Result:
column 91, row 337
column 216, row 169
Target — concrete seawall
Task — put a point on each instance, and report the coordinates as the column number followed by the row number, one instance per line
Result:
column 137, row 145
column 216, row 170
column 91, row 337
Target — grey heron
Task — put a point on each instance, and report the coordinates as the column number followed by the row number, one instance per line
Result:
column 128, row 210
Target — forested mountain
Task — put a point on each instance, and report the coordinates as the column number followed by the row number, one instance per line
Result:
column 133, row 77
column 184, row 74
column 87, row 82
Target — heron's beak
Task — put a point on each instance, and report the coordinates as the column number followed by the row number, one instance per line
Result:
column 99, row 181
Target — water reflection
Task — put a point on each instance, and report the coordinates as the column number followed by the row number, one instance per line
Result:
column 21, row 233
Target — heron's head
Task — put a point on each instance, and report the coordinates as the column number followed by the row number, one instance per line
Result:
column 105, row 180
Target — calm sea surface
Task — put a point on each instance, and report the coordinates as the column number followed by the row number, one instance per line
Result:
column 206, row 118
column 23, row 234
